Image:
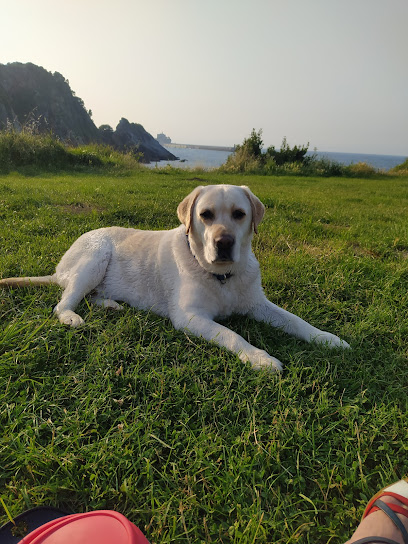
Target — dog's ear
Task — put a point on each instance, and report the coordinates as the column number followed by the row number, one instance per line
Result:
column 258, row 209
column 186, row 208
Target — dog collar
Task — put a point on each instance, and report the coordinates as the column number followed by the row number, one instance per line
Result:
column 222, row 278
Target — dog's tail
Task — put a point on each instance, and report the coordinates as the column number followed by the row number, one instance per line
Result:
column 27, row 282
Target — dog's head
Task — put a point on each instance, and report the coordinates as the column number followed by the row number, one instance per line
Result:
column 220, row 220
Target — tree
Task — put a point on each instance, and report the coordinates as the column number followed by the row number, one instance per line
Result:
column 106, row 128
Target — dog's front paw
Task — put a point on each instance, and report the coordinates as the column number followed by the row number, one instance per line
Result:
column 70, row 318
column 330, row 340
column 261, row 359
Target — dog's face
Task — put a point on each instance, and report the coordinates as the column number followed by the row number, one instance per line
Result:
column 220, row 220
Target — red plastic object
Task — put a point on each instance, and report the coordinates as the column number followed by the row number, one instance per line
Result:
column 98, row 527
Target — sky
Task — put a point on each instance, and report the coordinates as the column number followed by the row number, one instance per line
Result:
column 331, row 73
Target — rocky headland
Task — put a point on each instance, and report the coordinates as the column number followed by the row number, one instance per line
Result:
column 32, row 97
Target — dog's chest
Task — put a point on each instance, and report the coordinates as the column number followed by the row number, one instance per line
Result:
column 230, row 297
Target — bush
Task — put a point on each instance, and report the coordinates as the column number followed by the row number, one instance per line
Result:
column 289, row 155
column 400, row 169
column 250, row 158
column 324, row 167
column 360, row 170
column 247, row 157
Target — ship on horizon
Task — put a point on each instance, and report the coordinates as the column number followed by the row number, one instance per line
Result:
column 163, row 139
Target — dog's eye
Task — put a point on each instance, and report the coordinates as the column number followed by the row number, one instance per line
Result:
column 238, row 214
column 207, row 214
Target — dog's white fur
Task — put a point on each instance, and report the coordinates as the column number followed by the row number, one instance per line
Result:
column 179, row 273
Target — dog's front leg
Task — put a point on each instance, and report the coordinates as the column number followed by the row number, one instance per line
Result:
column 278, row 317
column 208, row 329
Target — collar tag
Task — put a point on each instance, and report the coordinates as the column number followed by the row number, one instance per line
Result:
column 222, row 278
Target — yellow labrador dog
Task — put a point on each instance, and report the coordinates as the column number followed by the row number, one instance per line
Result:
column 192, row 274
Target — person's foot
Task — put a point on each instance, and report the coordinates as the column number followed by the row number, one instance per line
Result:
column 378, row 524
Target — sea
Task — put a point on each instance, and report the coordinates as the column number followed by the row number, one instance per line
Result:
column 209, row 159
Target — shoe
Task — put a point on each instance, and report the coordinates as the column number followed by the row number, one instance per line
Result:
column 399, row 491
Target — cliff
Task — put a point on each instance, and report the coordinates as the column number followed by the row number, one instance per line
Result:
column 30, row 95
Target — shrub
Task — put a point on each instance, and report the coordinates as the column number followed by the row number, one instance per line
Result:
column 324, row 167
column 250, row 157
column 360, row 170
column 247, row 157
column 400, row 169
column 252, row 145
column 287, row 154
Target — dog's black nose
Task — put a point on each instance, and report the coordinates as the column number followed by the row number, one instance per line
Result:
column 224, row 242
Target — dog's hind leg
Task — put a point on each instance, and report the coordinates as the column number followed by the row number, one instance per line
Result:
column 71, row 297
column 78, row 286
column 79, row 275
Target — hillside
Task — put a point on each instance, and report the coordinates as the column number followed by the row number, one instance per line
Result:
column 30, row 95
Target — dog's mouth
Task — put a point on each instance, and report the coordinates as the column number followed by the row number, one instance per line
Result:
column 223, row 260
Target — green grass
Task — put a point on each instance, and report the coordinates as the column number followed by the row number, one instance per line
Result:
column 30, row 153
column 177, row 434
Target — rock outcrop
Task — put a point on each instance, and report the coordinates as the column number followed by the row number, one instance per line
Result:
column 133, row 137
column 30, row 96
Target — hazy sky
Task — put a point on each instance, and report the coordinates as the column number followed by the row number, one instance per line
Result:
column 329, row 72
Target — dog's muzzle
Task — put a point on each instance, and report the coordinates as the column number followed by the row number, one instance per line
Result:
column 224, row 245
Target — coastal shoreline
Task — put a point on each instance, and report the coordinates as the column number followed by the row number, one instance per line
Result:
column 210, row 157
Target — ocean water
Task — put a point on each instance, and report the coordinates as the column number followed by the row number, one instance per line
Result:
column 382, row 162
column 192, row 158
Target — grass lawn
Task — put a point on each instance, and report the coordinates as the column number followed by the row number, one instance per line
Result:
column 177, row 434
